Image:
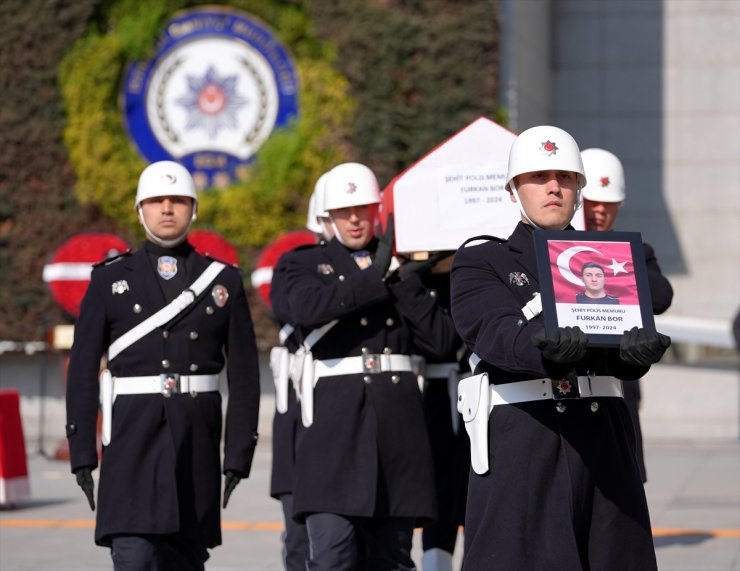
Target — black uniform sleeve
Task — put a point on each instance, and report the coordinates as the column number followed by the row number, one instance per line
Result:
column 661, row 292
column 91, row 338
column 432, row 326
column 278, row 301
column 489, row 319
column 242, row 367
column 314, row 302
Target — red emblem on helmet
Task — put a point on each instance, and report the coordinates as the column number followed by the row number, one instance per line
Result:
column 549, row 148
column 604, row 181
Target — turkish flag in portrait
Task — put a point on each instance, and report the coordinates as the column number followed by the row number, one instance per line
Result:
column 568, row 256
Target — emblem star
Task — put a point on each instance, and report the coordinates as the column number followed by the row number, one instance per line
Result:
column 617, row 267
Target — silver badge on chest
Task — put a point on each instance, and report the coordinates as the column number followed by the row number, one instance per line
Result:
column 119, row 287
column 518, row 278
column 220, row 295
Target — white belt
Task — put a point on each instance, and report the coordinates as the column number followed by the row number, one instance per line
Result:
column 555, row 389
column 439, row 370
column 368, row 363
column 165, row 384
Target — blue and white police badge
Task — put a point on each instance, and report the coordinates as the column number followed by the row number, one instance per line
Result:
column 167, row 267
column 218, row 85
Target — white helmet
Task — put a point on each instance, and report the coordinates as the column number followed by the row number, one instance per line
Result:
column 165, row 178
column 606, row 174
column 350, row 184
column 317, row 197
column 544, row 148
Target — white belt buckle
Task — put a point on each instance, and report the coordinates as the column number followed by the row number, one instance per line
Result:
column 371, row 363
column 169, row 384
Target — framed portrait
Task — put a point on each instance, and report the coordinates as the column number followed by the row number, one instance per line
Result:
column 594, row 280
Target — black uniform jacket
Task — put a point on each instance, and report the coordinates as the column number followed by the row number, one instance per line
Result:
column 161, row 472
column 661, row 292
column 563, row 490
column 367, row 452
column 284, row 425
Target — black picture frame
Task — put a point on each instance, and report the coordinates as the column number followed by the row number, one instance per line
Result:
column 601, row 315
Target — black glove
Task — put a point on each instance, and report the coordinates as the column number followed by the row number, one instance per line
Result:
column 231, row 479
column 421, row 266
column 85, row 481
column 564, row 345
column 639, row 347
column 384, row 252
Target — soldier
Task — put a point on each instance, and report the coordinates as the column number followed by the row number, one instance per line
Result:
column 363, row 471
column 165, row 316
column 602, row 198
column 287, row 415
column 555, row 485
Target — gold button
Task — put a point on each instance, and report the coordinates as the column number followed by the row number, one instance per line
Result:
column 363, row 321
column 560, row 407
column 193, row 367
column 395, row 379
column 137, row 308
column 193, row 335
column 367, row 379
column 341, row 278
column 165, row 363
column 209, row 310
column 389, row 322
column 433, row 293
column 594, row 406
column 165, row 334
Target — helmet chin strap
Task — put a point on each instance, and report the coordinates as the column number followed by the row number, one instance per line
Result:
column 576, row 206
column 337, row 235
column 161, row 241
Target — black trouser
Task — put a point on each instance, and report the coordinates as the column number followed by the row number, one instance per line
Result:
column 157, row 553
column 295, row 538
column 340, row 543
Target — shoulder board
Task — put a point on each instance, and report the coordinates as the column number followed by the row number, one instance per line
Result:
column 477, row 240
column 112, row 259
column 214, row 259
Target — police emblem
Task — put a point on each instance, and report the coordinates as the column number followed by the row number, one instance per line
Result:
column 119, row 287
column 549, row 148
column 518, row 278
column 563, row 388
column 604, row 181
column 217, row 87
column 167, row 267
column 350, row 188
column 362, row 259
column 220, row 295
column 325, row 269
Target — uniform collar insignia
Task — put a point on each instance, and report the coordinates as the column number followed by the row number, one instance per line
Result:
column 120, row 286
column 518, row 278
column 325, row 269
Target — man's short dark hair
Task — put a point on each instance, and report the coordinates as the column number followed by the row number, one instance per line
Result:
column 587, row 265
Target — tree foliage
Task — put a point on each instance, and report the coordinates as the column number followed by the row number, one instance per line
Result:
column 420, row 71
